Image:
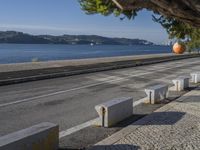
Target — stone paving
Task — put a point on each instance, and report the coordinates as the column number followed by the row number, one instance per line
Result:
column 176, row 126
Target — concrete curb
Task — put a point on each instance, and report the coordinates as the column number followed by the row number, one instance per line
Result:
column 140, row 123
column 42, row 136
column 112, row 112
column 92, row 68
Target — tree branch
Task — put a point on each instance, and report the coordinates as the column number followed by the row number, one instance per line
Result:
column 187, row 11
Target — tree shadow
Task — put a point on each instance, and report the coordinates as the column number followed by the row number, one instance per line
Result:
column 115, row 147
column 161, row 118
column 190, row 99
column 107, row 147
column 194, row 87
column 70, row 148
column 129, row 120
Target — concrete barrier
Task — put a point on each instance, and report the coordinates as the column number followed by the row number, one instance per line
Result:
column 114, row 111
column 156, row 93
column 25, row 72
column 44, row 136
column 181, row 83
column 195, row 77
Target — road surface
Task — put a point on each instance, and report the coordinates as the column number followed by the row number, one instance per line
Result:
column 70, row 101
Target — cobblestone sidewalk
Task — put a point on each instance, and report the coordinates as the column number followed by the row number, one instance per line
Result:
column 176, row 126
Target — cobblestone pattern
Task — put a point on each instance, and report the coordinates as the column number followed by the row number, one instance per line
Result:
column 176, row 126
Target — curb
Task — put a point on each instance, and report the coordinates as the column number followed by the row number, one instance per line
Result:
column 139, row 123
column 95, row 68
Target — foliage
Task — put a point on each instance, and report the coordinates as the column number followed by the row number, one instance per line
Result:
column 180, row 31
column 105, row 7
column 174, row 28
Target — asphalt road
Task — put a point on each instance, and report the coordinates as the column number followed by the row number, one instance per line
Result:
column 70, row 101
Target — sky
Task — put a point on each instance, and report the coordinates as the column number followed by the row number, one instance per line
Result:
column 58, row 17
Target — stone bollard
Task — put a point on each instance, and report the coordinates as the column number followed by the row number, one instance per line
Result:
column 195, row 77
column 44, row 136
column 114, row 111
column 181, row 83
column 156, row 93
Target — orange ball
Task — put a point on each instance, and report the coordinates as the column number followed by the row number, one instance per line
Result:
column 179, row 48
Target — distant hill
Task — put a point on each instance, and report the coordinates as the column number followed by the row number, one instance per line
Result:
column 23, row 38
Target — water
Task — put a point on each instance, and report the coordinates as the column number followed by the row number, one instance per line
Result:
column 16, row 53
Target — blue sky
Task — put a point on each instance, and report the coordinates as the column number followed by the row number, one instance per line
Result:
column 65, row 17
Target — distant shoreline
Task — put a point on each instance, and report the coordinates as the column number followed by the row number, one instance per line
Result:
column 24, row 38
column 83, row 44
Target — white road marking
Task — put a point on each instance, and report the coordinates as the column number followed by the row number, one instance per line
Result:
column 77, row 128
column 65, row 91
column 87, row 86
column 89, row 123
column 139, row 101
column 111, row 78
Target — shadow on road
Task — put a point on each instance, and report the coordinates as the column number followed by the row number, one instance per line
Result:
column 115, row 147
column 108, row 147
column 161, row 118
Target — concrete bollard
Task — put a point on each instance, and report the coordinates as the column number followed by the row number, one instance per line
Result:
column 44, row 136
column 181, row 83
column 156, row 93
column 195, row 77
column 114, row 111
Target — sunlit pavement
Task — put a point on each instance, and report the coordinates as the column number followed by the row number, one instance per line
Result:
column 174, row 126
column 70, row 101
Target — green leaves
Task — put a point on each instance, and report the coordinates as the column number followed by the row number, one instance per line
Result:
column 174, row 28
column 104, row 7
column 181, row 31
column 96, row 6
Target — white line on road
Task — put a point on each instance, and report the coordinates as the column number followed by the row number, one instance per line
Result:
column 89, row 123
column 139, row 101
column 87, row 86
column 77, row 128
column 65, row 91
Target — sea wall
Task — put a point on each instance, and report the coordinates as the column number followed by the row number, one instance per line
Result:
column 24, row 72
